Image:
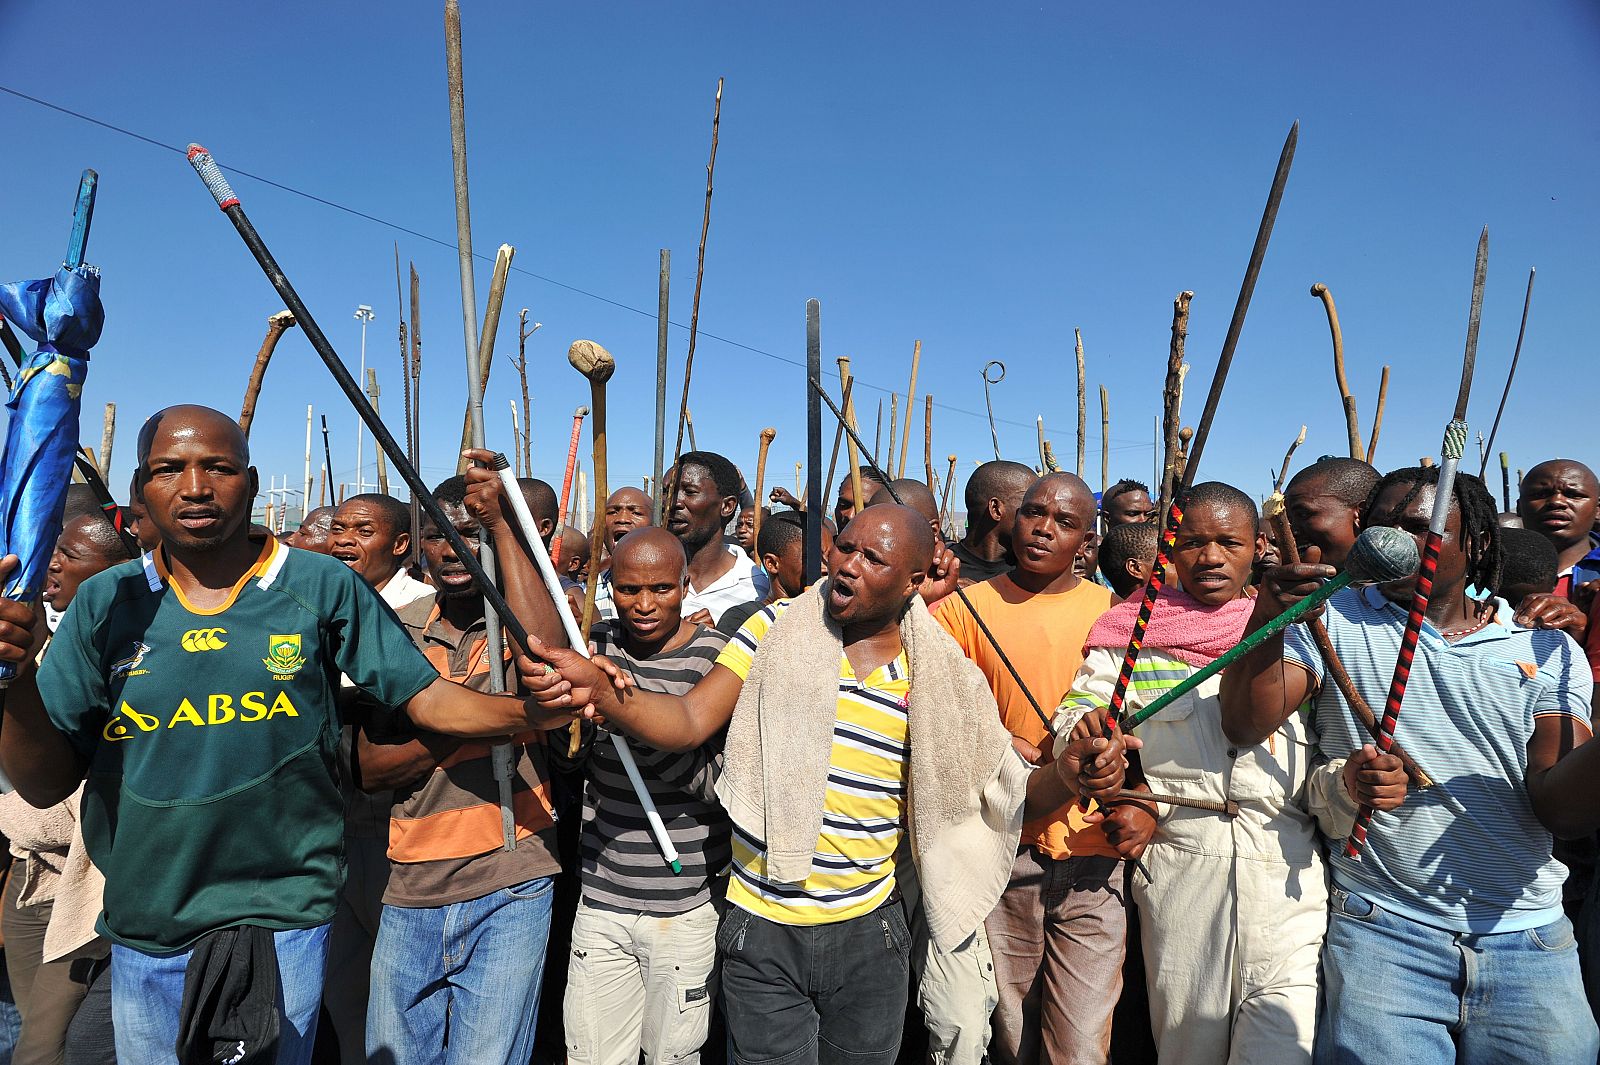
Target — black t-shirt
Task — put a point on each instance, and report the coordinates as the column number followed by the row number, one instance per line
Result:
column 977, row 569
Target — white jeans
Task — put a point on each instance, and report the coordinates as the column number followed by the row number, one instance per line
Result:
column 957, row 993
column 638, row 982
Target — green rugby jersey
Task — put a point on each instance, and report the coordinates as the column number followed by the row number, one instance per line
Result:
column 212, row 738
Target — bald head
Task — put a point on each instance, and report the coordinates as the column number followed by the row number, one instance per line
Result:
column 190, row 421
column 902, row 530
column 647, row 547
column 1558, row 499
column 914, row 494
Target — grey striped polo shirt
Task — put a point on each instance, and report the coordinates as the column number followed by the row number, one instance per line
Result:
column 1468, row 854
column 622, row 866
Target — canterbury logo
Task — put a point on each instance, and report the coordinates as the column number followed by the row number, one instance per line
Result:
column 204, row 640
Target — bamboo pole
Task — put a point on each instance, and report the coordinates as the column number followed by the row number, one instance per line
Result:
column 699, row 276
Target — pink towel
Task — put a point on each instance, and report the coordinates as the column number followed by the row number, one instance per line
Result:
column 1179, row 625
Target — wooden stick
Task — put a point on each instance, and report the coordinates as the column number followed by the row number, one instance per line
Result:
column 1351, row 419
column 699, row 276
column 595, row 363
column 1506, row 392
column 491, row 326
column 277, row 324
column 566, row 481
column 405, row 360
column 877, row 432
column 1289, row 551
column 927, row 439
column 1047, row 459
column 1283, row 474
column 1083, row 422
column 415, row 428
column 688, row 421
column 1172, row 401
column 1377, row 418
column 911, row 397
column 1105, row 440
column 1050, row 463
column 850, row 448
column 108, row 434
column 373, row 391
column 894, row 409
column 838, row 430
column 948, row 514
column 663, row 294
column 523, row 333
column 761, row 477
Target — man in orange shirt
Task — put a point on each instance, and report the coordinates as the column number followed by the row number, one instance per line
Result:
column 1057, row 936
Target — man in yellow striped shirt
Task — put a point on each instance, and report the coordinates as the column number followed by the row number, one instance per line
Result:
column 815, row 949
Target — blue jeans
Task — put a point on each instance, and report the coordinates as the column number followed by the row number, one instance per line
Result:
column 467, row 974
column 147, row 992
column 1396, row 990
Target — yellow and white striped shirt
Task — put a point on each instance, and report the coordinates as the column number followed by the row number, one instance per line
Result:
column 863, row 811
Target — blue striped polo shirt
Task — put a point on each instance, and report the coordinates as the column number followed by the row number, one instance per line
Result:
column 1468, row 854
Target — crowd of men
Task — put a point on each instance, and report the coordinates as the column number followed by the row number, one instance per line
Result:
column 275, row 800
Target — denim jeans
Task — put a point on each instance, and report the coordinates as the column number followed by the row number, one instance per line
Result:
column 147, row 992
column 804, row 994
column 459, row 984
column 1396, row 990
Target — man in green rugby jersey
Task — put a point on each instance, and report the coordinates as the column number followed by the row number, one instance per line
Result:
column 194, row 688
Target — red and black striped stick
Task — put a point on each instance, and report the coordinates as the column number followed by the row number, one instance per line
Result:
column 1455, row 442
column 1158, row 575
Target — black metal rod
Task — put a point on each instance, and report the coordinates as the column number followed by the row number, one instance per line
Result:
column 814, row 489
column 291, row 299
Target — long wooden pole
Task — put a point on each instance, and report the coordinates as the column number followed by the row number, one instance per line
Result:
column 911, row 397
column 1105, row 440
column 850, row 447
column 523, row 333
column 927, row 440
column 485, row 348
column 1516, row 354
column 838, row 430
column 415, row 369
column 663, row 286
column 1083, row 388
column 699, row 276
column 1377, row 417
column 1172, row 400
column 405, row 358
column 894, row 410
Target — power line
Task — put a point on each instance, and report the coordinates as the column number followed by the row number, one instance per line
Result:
column 397, row 227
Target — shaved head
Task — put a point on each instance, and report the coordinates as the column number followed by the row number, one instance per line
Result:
column 190, row 419
column 647, row 546
column 907, row 530
column 913, row 494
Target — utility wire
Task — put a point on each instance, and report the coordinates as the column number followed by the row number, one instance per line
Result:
column 484, row 257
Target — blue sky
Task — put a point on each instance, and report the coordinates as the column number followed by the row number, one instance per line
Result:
column 984, row 178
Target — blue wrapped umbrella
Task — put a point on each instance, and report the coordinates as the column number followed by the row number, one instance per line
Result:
column 63, row 317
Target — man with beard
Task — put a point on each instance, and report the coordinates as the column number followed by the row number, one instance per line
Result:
column 640, row 976
column 703, row 496
column 461, row 944
column 1057, row 933
column 992, row 496
column 881, row 733
column 195, row 687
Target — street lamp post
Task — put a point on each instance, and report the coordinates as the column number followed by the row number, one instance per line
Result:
column 365, row 316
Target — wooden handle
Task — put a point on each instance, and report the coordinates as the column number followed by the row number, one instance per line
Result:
column 761, row 477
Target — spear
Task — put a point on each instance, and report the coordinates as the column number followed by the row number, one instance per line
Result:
column 414, row 455
column 405, row 358
column 1455, row 443
column 894, row 407
column 699, row 276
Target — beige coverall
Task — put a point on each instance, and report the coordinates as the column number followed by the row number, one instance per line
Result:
column 1235, row 910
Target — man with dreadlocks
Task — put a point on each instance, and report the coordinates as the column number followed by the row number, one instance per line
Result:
column 1447, row 935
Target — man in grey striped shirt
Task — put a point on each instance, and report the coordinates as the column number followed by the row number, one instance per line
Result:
column 644, row 940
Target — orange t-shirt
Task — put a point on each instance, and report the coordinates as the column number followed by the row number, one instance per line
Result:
column 1043, row 636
